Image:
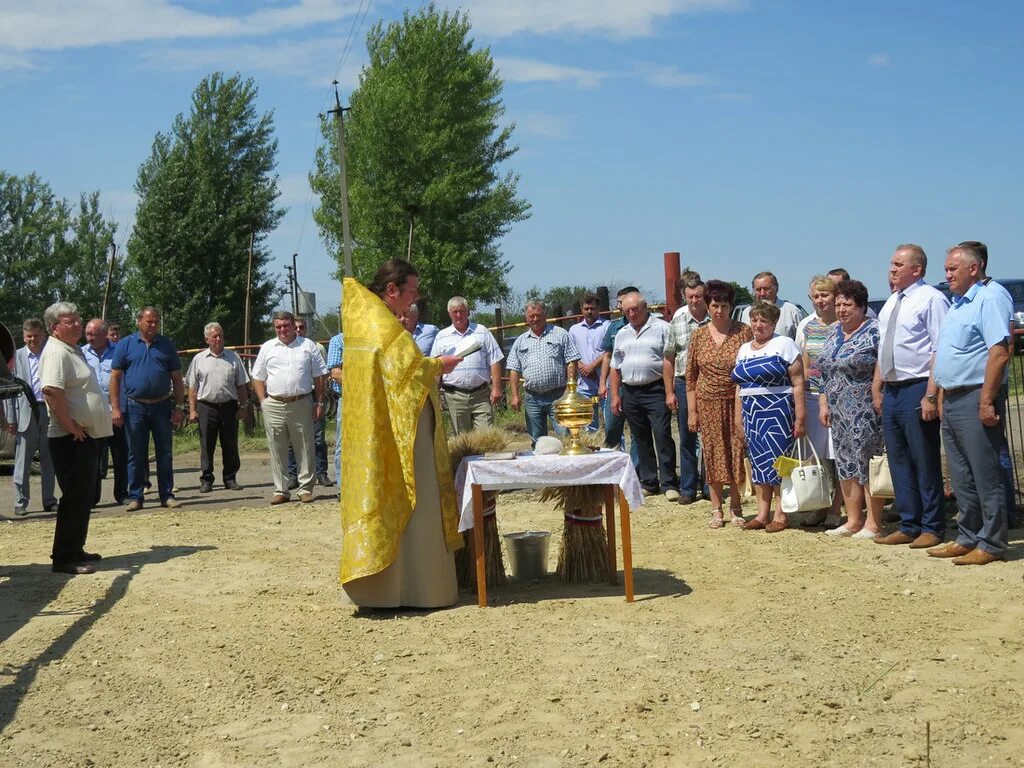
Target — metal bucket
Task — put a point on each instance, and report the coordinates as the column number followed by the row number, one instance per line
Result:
column 528, row 554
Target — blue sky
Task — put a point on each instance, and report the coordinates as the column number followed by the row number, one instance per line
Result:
column 747, row 134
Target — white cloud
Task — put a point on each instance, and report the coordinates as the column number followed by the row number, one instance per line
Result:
column 57, row 24
column 614, row 18
column 515, row 70
column 672, row 77
column 542, row 124
column 879, row 59
column 9, row 60
column 313, row 61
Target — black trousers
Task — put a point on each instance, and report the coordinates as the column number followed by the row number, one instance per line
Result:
column 218, row 420
column 76, row 465
column 118, row 445
column 650, row 424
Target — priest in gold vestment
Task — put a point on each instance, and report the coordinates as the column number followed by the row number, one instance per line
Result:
column 398, row 508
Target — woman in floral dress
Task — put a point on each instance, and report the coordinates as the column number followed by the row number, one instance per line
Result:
column 710, row 398
column 847, row 365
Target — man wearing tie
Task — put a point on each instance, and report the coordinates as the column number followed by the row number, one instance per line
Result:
column 906, row 395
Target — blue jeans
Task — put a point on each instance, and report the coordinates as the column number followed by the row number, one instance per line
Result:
column 914, row 460
column 613, row 428
column 539, row 410
column 689, row 476
column 140, row 421
column 337, row 447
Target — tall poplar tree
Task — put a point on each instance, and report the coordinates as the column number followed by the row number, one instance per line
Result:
column 207, row 186
column 425, row 153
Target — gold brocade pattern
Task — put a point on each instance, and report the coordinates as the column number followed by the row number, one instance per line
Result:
column 386, row 382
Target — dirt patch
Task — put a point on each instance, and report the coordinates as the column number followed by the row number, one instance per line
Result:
column 215, row 638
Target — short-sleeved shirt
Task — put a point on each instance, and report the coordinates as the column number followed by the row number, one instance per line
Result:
column 782, row 346
column 475, row 369
column 639, row 353
column 100, row 362
column 589, row 340
column 288, row 370
column 64, row 367
column 335, row 356
column 977, row 321
column 542, row 359
column 790, row 316
column 682, row 326
column 609, row 336
column 146, row 367
column 424, row 334
column 811, row 335
column 922, row 311
column 216, row 378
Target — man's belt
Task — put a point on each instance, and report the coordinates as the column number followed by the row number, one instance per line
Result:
column 150, row 400
column 289, row 398
column 541, row 393
column 648, row 385
column 961, row 390
column 905, row 383
column 462, row 390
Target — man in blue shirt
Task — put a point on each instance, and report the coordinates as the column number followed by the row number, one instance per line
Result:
column 335, row 360
column 149, row 367
column 99, row 354
column 422, row 333
column 588, row 335
column 970, row 367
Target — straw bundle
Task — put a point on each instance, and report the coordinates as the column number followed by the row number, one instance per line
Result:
column 475, row 443
column 583, row 555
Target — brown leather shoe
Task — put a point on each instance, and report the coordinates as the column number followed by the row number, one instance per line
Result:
column 949, row 549
column 896, row 537
column 977, row 556
column 925, row 540
column 306, row 498
column 753, row 525
column 775, row 526
column 279, row 498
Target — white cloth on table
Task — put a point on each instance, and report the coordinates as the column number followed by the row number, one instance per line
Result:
column 605, row 467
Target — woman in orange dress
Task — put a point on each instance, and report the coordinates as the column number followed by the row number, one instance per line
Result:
column 710, row 398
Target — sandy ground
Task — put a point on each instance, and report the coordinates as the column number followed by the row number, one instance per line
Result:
column 214, row 636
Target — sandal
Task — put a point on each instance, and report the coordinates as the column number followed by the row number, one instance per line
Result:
column 737, row 517
column 753, row 525
column 842, row 532
column 775, row 526
column 716, row 519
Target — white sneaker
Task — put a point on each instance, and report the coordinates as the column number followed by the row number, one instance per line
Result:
column 671, row 495
column 864, row 533
column 841, row 532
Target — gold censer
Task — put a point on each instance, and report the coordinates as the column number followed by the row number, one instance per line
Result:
column 574, row 411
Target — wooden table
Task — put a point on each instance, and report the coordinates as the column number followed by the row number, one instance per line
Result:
column 550, row 472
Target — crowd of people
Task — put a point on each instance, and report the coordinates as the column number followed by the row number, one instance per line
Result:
column 741, row 386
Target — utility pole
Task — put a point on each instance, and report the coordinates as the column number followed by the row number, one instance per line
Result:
column 291, row 286
column 346, row 235
column 295, row 283
column 248, row 291
column 110, row 277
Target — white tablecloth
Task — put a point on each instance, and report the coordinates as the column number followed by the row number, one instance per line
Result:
column 605, row 467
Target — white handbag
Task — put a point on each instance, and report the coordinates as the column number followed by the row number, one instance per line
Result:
column 879, row 479
column 809, row 486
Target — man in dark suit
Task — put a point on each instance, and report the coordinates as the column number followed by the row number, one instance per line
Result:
column 28, row 426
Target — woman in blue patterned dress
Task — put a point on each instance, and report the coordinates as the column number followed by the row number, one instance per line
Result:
column 769, row 373
column 847, row 366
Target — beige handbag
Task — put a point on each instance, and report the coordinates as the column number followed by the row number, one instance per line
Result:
column 879, row 479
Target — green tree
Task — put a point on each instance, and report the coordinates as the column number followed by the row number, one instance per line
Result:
column 424, row 154
column 206, row 188
column 47, row 254
column 743, row 294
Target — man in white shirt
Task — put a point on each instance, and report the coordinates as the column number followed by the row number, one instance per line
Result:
column 288, row 369
column 906, row 396
column 473, row 389
column 766, row 289
column 588, row 335
column 28, row 425
column 641, row 367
